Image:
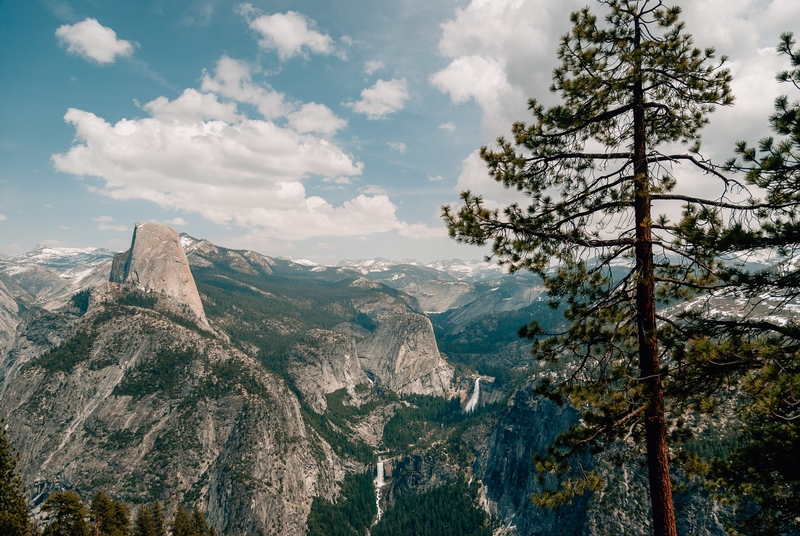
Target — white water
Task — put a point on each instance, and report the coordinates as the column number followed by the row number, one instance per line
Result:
column 378, row 485
column 476, row 394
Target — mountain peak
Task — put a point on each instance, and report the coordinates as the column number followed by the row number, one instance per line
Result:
column 156, row 262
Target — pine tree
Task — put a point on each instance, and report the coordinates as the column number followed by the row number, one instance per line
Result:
column 112, row 518
column 757, row 355
column 14, row 517
column 144, row 524
column 593, row 167
column 67, row 515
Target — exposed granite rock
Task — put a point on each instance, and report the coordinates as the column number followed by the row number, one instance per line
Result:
column 401, row 352
column 9, row 319
column 323, row 362
column 157, row 263
column 156, row 410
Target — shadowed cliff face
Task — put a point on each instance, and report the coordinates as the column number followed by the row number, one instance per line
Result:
column 157, row 263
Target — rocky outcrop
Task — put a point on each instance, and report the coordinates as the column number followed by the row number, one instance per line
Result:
column 147, row 409
column 505, row 465
column 401, row 352
column 156, row 263
column 9, row 319
column 323, row 362
column 48, row 276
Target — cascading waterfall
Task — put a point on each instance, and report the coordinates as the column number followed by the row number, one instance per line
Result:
column 378, row 485
column 476, row 394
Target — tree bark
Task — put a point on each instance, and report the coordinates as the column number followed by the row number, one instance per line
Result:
column 664, row 522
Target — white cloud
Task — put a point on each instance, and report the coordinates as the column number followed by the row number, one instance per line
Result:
column 502, row 52
column 399, row 146
column 93, row 41
column 290, row 33
column 247, row 172
column 475, row 177
column 313, row 117
column 3, row 217
column 192, row 106
column 373, row 65
column 103, row 219
column 176, row 221
column 450, row 126
column 382, row 99
column 234, row 79
column 436, row 178
column 373, row 189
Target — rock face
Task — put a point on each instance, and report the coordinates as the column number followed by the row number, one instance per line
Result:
column 505, row 465
column 401, row 351
column 157, row 263
column 145, row 408
column 324, row 362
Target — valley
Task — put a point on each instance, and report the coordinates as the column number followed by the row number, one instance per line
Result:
column 277, row 395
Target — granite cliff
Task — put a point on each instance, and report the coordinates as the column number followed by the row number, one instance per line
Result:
column 156, row 263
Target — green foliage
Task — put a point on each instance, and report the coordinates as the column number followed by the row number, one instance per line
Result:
column 112, row 518
column 66, row 515
column 186, row 524
column 591, row 168
column 69, row 353
column 14, row 517
column 80, row 300
column 137, row 298
column 149, row 521
column 350, row 515
column 161, row 373
column 444, row 511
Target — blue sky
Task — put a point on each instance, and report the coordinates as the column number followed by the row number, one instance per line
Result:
column 319, row 130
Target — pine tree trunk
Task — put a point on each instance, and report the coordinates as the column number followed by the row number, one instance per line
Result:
column 664, row 523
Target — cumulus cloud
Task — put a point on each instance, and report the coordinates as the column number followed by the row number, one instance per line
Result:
column 93, row 41
column 176, row 221
column 198, row 154
column 436, row 178
column 399, row 146
column 475, row 177
column 373, row 65
column 382, row 99
column 290, row 33
column 3, row 217
column 234, row 79
column 449, row 126
column 313, row 117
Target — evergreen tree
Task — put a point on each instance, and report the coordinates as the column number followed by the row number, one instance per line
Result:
column 190, row 524
column 67, row 515
column 110, row 517
column 14, row 518
column 593, row 167
column 144, row 524
column 158, row 519
column 759, row 356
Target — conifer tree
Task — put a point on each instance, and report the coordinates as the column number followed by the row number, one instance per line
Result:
column 14, row 517
column 752, row 352
column 144, row 524
column 632, row 91
column 112, row 518
column 67, row 515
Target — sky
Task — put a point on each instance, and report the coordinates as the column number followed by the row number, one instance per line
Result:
column 306, row 129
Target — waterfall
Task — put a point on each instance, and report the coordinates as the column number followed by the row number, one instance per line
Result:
column 378, row 485
column 476, row 394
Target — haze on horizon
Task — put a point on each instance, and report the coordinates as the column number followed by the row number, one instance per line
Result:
column 315, row 130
